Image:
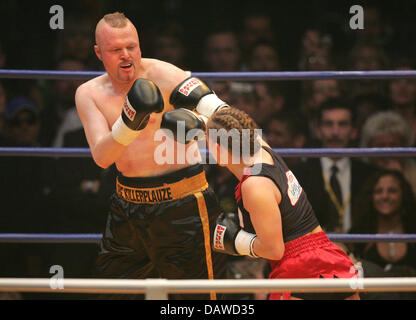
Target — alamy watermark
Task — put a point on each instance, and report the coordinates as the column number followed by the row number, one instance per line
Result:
column 57, row 20
column 57, row 280
column 357, row 20
column 357, row 281
column 173, row 150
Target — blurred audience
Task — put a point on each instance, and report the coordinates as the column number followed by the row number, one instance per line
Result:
column 263, row 56
column 257, row 25
column 314, row 94
column 316, row 51
column 3, row 102
column 23, row 123
column 386, row 205
column 389, row 130
column 286, row 129
column 26, row 188
column 377, row 30
column 62, row 115
column 76, row 42
column 332, row 183
column 3, row 56
column 169, row 45
column 366, row 57
column 366, row 105
column 402, row 93
column 222, row 51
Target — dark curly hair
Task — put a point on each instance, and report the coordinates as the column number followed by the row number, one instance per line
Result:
column 364, row 213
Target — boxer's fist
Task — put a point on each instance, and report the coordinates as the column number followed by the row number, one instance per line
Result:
column 230, row 238
column 193, row 94
column 181, row 122
column 143, row 98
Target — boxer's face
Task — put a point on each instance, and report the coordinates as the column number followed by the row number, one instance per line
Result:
column 387, row 195
column 119, row 50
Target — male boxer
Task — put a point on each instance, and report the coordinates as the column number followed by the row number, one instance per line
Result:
column 161, row 217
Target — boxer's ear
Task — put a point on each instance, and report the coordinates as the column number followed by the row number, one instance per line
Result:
column 97, row 52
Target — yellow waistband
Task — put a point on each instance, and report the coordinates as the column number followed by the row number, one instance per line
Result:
column 165, row 193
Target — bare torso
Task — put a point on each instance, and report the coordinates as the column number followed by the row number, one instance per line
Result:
column 138, row 159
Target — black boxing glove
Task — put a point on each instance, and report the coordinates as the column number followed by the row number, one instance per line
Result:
column 143, row 98
column 186, row 125
column 194, row 94
column 230, row 238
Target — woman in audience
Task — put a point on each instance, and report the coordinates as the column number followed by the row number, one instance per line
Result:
column 386, row 205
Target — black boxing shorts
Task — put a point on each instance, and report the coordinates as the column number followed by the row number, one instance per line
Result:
column 161, row 227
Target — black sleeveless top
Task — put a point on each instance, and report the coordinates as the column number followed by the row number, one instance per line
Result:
column 298, row 217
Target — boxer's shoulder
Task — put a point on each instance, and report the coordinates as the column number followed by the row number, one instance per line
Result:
column 93, row 91
column 162, row 72
column 95, row 86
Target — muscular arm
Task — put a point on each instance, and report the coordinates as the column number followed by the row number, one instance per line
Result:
column 261, row 199
column 105, row 150
column 166, row 76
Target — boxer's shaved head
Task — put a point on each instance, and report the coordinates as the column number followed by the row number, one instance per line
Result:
column 117, row 46
column 112, row 20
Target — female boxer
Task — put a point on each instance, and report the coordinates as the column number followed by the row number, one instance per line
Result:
column 275, row 219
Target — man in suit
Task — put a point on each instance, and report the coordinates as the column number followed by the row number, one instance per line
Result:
column 331, row 183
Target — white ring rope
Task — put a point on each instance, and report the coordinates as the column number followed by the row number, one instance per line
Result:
column 159, row 288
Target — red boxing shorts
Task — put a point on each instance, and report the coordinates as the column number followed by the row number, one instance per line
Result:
column 312, row 256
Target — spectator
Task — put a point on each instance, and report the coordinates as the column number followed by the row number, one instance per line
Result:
column 286, row 129
column 269, row 99
column 332, row 183
column 263, row 56
column 2, row 57
column 377, row 30
column 242, row 94
column 386, row 204
column 366, row 105
column 316, row 51
column 3, row 100
column 315, row 93
column 222, row 51
column 81, row 181
column 260, row 100
column 222, row 54
column 26, row 189
column 62, row 115
column 75, row 42
column 402, row 93
column 365, row 57
column 257, row 26
column 388, row 129
column 23, row 123
column 169, row 45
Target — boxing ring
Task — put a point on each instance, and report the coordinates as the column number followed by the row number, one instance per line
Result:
column 159, row 288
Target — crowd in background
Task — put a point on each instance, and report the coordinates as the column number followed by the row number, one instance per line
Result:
column 376, row 195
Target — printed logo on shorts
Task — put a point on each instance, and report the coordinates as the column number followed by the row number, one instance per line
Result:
column 129, row 110
column 294, row 189
column 219, row 237
column 189, row 86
